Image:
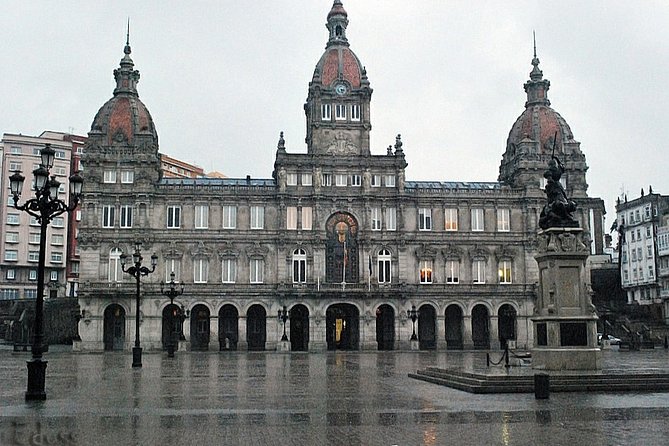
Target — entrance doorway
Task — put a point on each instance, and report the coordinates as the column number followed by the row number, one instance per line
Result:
column 342, row 325
column 480, row 327
column 299, row 328
column 199, row 328
column 171, row 332
column 385, row 327
column 506, row 325
column 256, row 328
column 427, row 327
column 228, row 328
column 454, row 328
column 114, row 327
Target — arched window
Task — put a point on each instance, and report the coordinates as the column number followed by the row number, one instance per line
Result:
column 299, row 266
column 115, row 272
column 384, row 266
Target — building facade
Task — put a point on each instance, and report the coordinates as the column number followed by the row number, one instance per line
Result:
column 20, row 235
column 338, row 235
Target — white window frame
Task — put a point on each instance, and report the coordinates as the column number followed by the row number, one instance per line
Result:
column 53, row 276
column 11, row 255
column 426, row 265
column 33, row 238
column 32, row 274
column 340, row 112
column 11, row 274
column 109, row 177
column 256, row 270
column 173, row 215
column 173, row 265
column 390, row 180
column 341, row 179
column 326, row 112
column 229, row 270
column 291, row 179
column 108, row 215
column 13, row 219
column 307, row 218
column 355, row 112
column 114, row 271
column 307, row 179
column 201, row 216
column 56, row 257
column 478, row 271
column 57, row 239
column 33, row 256
column 450, row 219
column 229, row 217
column 200, row 270
column 391, row 219
column 257, row 217
column 503, row 220
column 12, row 237
column 58, row 222
column 355, row 180
column 127, row 176
column 376, row 181
column 326, row 180
column 125, row 216
column 452, row 271
column 424, row 219
column 291, row 218
column 375, row 219
column 384, row 266
column 477, row 219
column 299, row 270
column 505, row 271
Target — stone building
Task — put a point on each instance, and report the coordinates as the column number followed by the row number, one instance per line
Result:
column 337, row 235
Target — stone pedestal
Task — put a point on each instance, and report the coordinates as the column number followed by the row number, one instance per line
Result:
column 565, row 322
column 283, row 346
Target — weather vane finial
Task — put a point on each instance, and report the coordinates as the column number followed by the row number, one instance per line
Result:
column 534, row 38
column 127, row 36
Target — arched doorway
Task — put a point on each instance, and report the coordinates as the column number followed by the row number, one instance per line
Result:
column 199, row 328
column 506, row 324
column 228, row 327
column 341, row 252
column 299, row 328
column 342, row 327
column 427, row 323
column 256, row 328
column 171, row 331
column 385, row 327
column 480, row 327
column 454, row 328
column 114, row 327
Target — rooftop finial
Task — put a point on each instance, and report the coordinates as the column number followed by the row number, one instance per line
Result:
column 534, row 38
column 536, row 73
column 126, row 50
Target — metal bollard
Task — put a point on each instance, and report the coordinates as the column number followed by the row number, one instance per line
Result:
column 541, row 386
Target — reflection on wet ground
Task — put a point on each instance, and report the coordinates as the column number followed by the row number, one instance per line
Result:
column 352, row 398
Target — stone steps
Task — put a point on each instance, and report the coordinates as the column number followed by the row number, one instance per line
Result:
column 594, row 382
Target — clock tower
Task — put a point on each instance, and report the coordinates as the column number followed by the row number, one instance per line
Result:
column 337, row 107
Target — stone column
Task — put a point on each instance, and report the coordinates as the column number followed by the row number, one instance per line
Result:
column 467, row 341
column 213, row 333
column 441, row 332
column 494, row 332
column 242, row 343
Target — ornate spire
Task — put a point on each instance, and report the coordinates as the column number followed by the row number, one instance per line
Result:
column 337, row 23
column 126, row 76
column 537, row 86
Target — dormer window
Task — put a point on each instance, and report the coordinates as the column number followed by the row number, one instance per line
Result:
column 326, row 112
column 340, row 112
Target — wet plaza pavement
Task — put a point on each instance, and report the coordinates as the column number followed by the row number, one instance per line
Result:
column 343, row 398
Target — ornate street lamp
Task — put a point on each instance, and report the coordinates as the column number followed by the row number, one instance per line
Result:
column 413, row 315
column 45, row 206
column 175, row 313
column 136, row 270
column 283, row 317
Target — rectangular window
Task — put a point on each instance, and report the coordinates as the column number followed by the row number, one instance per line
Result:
column 33, row 238
column 384, row 268
column 11, row 255
column 77, row 215
column 306, row 179
column 340, row 179
column 326, row 180
column 291, row 179
column 14, row 166
column 355, row 112
column 639, row 253
column 200, row 270
column 633, row 255
column 57, row 239
column 126, row 216
column 257, row 217
column 173, row 217
column 229, row 217
column 59, row 155
column 201, row 216
column 32, row 275
column 452, row 271
column 307, row 222
column 229, row 270
column 478, row 271
column 390, row 180
column 651, row 272
column 11, row 274
column 173, row 266
column 650, row 251
column 632, row 232
column 13, row 219
column 424, row 219
column 54, row 276
column 376, row 180
column 503, row 218
column 58, row 222
column 648, row 232
column 16, row 150
column 127, row 176
column 340, row 112
column 291, row 217
column 109, row 176
column 425, row 271
column 256, row 270
column 451, row 219
column 477, row 219
column 376, row 219
column 33, row 221
column 108, row 216
column 326, row 112
column 56, row 257
column 505, row 271
column 356, row 180
column 391, row 219
column 12, row 237
column 31, row 294
column 299, row 268
column 33, row 256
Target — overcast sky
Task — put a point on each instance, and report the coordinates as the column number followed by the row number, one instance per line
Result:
column 223, row 78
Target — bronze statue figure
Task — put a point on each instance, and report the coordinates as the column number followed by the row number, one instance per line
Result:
column 558, row 211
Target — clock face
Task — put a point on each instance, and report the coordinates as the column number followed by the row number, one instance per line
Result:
column 340, row 89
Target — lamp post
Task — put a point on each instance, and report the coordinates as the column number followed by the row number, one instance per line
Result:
column 172, row 292
column 413, row 315
column 45, row 206
column 137, row 271
column 283, row 317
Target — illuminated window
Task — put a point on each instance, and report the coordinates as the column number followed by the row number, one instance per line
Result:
column 504, row 271
column 451, row 219
column 425, row 268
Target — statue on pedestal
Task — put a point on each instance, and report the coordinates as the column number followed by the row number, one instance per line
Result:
column 558, row 210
